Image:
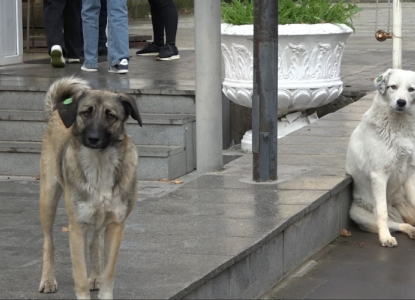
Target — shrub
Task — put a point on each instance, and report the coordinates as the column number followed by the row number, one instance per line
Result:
column 240, row 12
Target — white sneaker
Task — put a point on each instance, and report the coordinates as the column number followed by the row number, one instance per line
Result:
column 57, row 59
column 73, row 60
column 83, row 68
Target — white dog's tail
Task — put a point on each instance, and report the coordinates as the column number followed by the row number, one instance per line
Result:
column 62, row 89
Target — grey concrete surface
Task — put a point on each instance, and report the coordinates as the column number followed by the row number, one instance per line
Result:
column 356, row 267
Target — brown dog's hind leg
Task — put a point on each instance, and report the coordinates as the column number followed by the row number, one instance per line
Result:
column 113, row 238
column 50, row 192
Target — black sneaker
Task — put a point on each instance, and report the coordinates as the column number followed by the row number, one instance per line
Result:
column 120, row 68
column 149, row 50
column 168, row 52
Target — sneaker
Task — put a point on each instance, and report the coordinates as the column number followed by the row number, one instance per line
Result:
column 120, row 68
column 73, row 60
column 168, row 52
column 56, row 55
column 149, row 50
column 86, row 69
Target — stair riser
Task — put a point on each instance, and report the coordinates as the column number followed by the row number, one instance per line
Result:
column 149, row 168
column 149, row 134
column 157, row 104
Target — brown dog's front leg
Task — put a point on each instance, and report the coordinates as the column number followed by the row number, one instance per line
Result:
column 77, row 239
column 95, row 255
column 113, row 238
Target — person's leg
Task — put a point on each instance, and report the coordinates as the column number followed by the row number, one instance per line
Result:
column 158, row 23
column 72, row 28
column 168, row 13
column 52, row 17
column 102, row 41
column 90, row 16
column 118, row 40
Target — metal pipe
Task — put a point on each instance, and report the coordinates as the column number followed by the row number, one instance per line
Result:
column 28, row 26
column 208, row 86
column 397, row 35
column 265, row 95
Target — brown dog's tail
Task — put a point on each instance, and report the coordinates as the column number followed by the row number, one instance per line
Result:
column 62, row 89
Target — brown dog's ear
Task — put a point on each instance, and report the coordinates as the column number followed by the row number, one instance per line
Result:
column 68, row 108
column 128, row 102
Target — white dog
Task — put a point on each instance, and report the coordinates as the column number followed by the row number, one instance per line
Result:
column 381, row 159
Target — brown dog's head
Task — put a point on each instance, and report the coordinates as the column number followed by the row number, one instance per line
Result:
column 98, row 117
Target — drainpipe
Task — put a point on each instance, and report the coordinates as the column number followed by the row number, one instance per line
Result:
column 208, row 86
column 397, row 35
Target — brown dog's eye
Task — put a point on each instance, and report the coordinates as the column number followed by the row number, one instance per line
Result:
column 111, row 117
column 86, row 113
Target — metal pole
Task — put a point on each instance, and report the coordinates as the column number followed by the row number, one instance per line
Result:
column 265, row 95
column 208, row 86
column 397, row 35
column 28, row 27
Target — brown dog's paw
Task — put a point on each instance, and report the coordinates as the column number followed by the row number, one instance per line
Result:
column 48, row 285
column 94, row 284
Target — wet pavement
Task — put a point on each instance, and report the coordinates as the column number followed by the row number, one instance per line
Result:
column 354, row 267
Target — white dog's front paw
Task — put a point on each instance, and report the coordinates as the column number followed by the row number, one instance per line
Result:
column 388, row 241
column 48, row 285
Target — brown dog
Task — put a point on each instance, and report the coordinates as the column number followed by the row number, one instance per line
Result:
column 87, row 155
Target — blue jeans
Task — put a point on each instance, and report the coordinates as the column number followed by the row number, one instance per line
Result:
column 118, row 41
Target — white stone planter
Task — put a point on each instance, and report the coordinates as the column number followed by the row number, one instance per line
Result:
column 309, row 60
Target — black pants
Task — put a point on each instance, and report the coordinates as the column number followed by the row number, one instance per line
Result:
column 62, row 21
column 164, row 17
column 103, row 18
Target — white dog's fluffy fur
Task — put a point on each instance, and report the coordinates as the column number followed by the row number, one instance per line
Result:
column 381, row 159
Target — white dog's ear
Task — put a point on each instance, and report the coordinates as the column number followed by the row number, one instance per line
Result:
column 381, row 82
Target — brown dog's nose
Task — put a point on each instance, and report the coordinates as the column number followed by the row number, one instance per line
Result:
column 93, row 141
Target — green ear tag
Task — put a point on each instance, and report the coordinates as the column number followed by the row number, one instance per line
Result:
column 68, row 101
column 379, row 78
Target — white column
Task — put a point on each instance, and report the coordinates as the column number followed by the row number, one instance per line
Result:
column 208, row 86
column 11, row 32
column 397, row 35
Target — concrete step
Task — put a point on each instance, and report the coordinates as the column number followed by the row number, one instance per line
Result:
column 156, row 162
column 158, row 129
column 148, row 101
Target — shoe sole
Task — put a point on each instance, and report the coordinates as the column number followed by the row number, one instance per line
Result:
column 118, row 72
column 148, row 54
column 73, row 61
column 57, row 60
column 169, row 58
column 88, row 70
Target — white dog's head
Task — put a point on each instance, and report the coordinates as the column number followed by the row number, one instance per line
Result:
column 397, row 88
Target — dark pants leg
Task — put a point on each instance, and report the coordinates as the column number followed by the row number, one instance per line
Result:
column 72, row 28
column 158, row 23
column 53, row 20
column 103, row 17
column 167, row 18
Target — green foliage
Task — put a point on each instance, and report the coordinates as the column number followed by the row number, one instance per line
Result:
column 239, row 12
column 316, row 11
